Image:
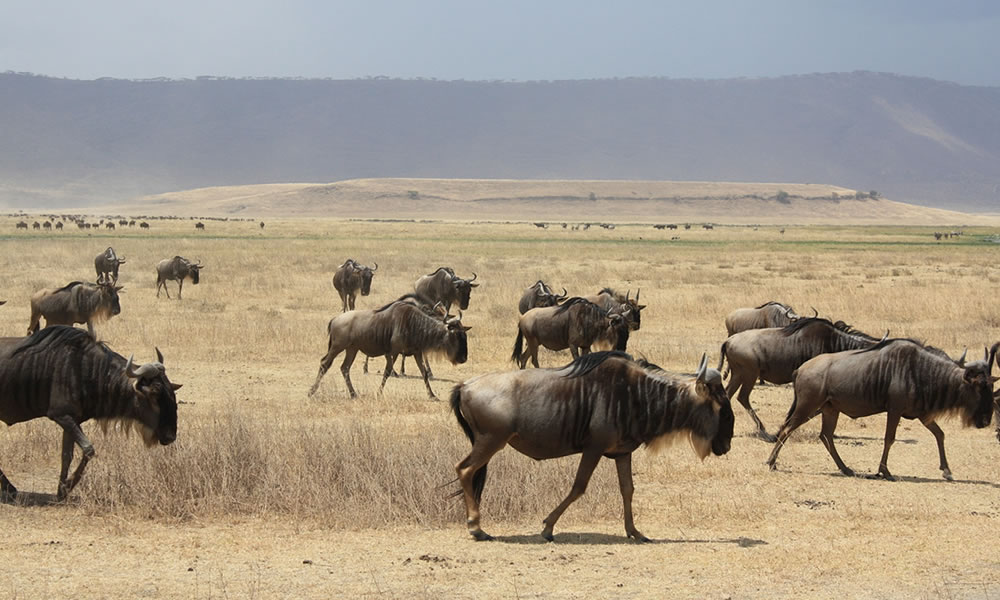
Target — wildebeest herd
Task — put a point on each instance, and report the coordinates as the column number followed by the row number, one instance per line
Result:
column 603, row 403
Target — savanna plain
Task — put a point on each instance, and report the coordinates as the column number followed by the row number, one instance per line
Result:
column 268, row 493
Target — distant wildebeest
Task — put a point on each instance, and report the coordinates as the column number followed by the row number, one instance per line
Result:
column 262, row 224
column 36, row 225
column 199, row 225
column 396, row 328
column 616, row 303
column 349, row 279
column 707, row 227
column 176, row 269
column 59, row 225
column 603, row 404
column 76, row 302
column 144, row 225
column 576, row 324
column 65, row 375
column 774, row 353
column 899, row 377
column 445, row 287
column 131, row 223
column 542, row 225
column 539, row 295
column 109, row 225
column 106, row 263
column 21, row 225
column 659, row 226
column 47, row 225
column 122, row 222
column 769, row 314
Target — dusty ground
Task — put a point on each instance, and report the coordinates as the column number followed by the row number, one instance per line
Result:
column 248, row 338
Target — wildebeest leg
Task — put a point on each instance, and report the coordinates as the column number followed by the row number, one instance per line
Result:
column 745, row 385
column 345, row 369
column 472, row 477
column 324, row 366
column 180, row 286
column 891, row 422
column 350, row 301
column 932, row 426
column 588, row 462
column 830, row 417
column 389, row 359
column 418, row 357
column 8, row 492
column 798, row 415
column 72, row 434
column 624, row 466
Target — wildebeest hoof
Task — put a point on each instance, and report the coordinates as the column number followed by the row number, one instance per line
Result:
column 548, row 536
column 847, row 472
column 434, row 398
column 767, row 437
column 481, row 536
column 639, row 537
column 947, row 475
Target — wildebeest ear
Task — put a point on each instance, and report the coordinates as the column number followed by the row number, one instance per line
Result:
column 466, row 327
column 159, row 355
column 642, row 306
column 176, row 386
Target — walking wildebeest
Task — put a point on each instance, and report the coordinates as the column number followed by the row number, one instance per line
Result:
column 350, row 278
column 899, row 377
column 602, row 404
column 64, row 374
column 106, row 264
column 539, row 295
column 176, row 269
column 769, row 314
column 445, row 287
column 200, row 226
column 21, row 225
column 576, row 324
column 774, row 353
column 396, row 328
column 614, row 302
column 76, row 302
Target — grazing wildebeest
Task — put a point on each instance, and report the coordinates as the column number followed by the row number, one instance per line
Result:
column 106, row 264
column 769, row 314
column 899, row 377
column 199, row 225
column 445, row 287
column 176, row 269
column 144, row 225
column 774, row 353
column 614, row 302
column 262, row 224
column 602, row 404
column 539, row 295
column 36, row 225
column 21, row 225
column 396, row 328
column 352, row 277
column 576, row 324
column 109, row 225
column 59, row 225
column 47, row 225
column 65, row 375
column 76, row 302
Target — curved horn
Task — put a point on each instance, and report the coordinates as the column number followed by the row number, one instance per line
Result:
column 564, row 295
column 628, row 293
column 473, row 277
column 700, row 375
column 376, row 268
column 159, row 355
column 885, row 337
column 637, row 294
column 149, row 370
column 129, row 368
column 815, row 312
column 960, row 361
column 994, row 356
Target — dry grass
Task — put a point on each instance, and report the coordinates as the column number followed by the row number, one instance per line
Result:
column 246, row 344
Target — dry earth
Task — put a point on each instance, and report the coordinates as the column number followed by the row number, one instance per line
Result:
column 246, row 342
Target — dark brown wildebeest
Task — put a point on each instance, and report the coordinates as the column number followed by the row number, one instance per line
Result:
column 349, row 279
column 603, row 404
column 769, row 314
column 396, row 328
column 774, row 353
column 199, row 225
column 614, row 302
column 539, row 295
column 144, row 225
column 63, row 374
column 262, row 224
column 576, row 324
column 899, row 377
column 59, row 225
column 123, row 222
column 445, row 287
column 76, row 302
column 47, row 225
column 109, row 225
column 21, row 225
column 106, row 264
column 176, row 269
column 36, row 225
column 131, row 223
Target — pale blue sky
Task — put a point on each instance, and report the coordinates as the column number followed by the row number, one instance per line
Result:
column 955, row 40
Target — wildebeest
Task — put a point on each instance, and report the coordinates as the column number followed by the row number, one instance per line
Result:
column 769, row 314
column 774, row 353
column 47, row 225
column 36, row 225
column 262, row 224
column 614, row 302
column 445, row 287
column 109, row 225
column 106, row 264
column 21, row 225
column 199, row 225
column 144, row 225
column 65, row 375
column 396, row 328
column 59, row 225
column 602, row 404
column 176, row 269
column 539, row 295
column 349, row 279
column 899, row 377
column 576, row 324
column 76, row 302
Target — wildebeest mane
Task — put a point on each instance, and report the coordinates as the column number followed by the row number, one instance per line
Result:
column 575, row 300
column 774, row 303
column 588, row 362
column 840, row 326
column 69, row 286
column 57, row 335
column 421, row 300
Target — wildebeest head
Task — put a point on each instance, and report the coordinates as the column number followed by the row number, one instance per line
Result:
column 366, row 274
column 457, row 343
column 109, row 294
column 978, row 382
column 157, row 393
column 709, row 388
column 464, row 289
column 194, row 269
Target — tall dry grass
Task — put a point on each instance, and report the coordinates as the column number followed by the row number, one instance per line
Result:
column 246, row 344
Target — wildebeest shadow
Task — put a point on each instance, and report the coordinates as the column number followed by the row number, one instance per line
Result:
column 34, row 499
column 604, row 539
column 871, row 438
column 942, row 480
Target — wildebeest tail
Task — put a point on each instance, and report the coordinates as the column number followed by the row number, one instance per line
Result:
column 518, row 344
column 795, row 398
column 479, row 479
column 722, row 359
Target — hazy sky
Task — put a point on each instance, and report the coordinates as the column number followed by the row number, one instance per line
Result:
column 953, row 40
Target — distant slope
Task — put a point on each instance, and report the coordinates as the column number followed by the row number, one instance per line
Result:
column 72, row 143
column 560, row 201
